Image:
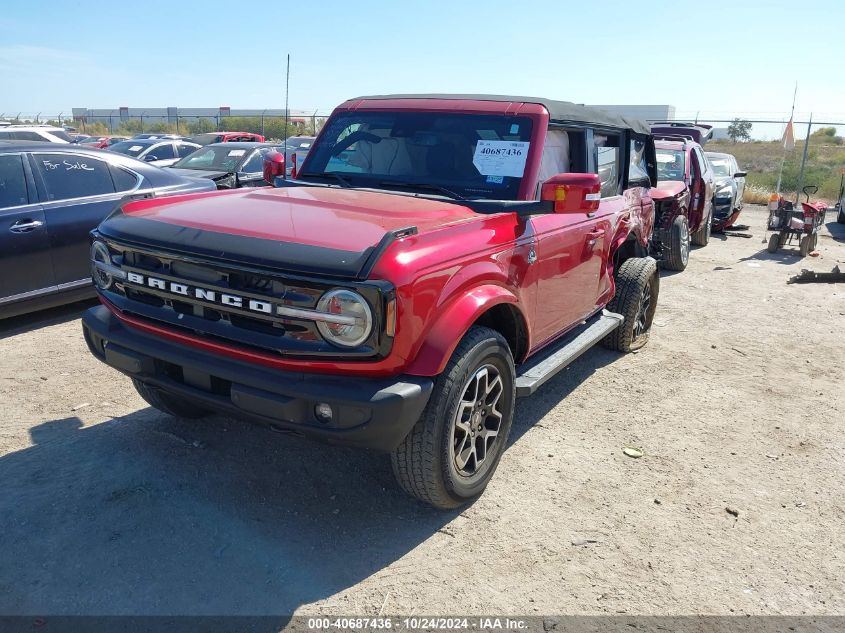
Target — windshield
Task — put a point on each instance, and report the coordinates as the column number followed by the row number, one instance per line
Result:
column 670, row 164
column 218, row 158
column 130, row 147
column 721, row 166
column 474, row 156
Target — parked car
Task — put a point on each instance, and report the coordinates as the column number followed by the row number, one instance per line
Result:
column 729, row 186
column 399, row 297
column 683, row 212
column 298, row 146
column 227, row 137
column 40, row 133
column 102, row 142
column 158, row 152
column 229, row 165
column 51, row 196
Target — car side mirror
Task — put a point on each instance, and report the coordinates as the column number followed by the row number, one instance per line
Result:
column 570, row 193
column 274, row 166
column 150, row 158
column 740, row 174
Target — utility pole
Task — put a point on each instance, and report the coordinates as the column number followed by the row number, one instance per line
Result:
column 804, row 160
column 287, row 90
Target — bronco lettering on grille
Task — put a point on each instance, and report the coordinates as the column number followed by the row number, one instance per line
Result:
column 203, row 294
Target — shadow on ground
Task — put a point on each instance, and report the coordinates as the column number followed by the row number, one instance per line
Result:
column 147, row 515
column 43, row 318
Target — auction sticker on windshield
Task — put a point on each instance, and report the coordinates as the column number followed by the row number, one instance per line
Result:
column 501, row 158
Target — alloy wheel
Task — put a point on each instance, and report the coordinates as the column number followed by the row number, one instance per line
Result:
column 477, row 422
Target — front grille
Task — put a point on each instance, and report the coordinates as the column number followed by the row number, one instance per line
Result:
column 231, row 305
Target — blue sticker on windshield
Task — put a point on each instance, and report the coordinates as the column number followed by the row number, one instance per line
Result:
column 495, row 180
column 515, row 128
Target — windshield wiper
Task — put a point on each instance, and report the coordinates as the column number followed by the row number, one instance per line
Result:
column 425, row 186
column 329, row 174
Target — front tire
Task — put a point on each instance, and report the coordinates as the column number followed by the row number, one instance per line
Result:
column 774, row 243
column 169, row 403
column 678, row 245
column 637, row 288
column 453, row 450
column 702, row 236
column 840, row 216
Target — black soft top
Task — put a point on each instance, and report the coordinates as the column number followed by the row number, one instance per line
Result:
column 558, row 110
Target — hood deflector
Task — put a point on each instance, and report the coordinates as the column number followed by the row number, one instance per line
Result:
column 273, row 255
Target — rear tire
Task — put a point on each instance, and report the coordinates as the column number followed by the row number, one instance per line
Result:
column 702, row 236
column 774, row 243
column 637, row 288
column 453, row 450
column 840, row 216
column 169, row 403
column 679, row 241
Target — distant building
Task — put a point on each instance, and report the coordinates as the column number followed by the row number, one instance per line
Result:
column 113, row 117
column 642, row 112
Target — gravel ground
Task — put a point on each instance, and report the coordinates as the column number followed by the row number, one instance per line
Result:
column 108, row 507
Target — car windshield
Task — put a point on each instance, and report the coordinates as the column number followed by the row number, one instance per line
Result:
column 445, row 153
column 132, row 147
column 670, row 164
column 222, row 157
column 721, row 166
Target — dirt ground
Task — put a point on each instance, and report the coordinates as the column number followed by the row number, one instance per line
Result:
column 738, row 401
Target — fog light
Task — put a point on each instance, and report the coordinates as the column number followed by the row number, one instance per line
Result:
column 323, row 412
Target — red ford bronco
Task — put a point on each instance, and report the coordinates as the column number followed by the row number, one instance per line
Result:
column 435, row 257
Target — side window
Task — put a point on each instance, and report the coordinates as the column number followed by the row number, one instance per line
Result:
column 28, row 136
column 124, row 180
column 12, row 181
column 254, row 164
column 163, row 152
column 555, row 159
column 637, row 170
column 5, row 136
column 73, row 176
column 607, row 157
column 184, row 150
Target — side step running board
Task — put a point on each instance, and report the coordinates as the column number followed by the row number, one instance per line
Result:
column 534, row 374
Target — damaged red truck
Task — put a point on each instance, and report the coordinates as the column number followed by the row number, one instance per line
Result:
column 435, row 257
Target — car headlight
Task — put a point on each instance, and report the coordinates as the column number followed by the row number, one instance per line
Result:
column 103, row 269
column 354, row 321
column 727, row 192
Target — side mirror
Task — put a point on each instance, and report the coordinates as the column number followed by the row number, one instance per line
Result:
column 572, row 192
column 740, row 174
column 274, row 166
column 150, row 158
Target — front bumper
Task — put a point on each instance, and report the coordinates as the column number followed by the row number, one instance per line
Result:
column 367, row 412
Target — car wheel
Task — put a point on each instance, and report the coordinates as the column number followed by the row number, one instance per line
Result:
column 169, row 403
column 814, row 240
column 637, row 288
column 840, row 217
column 453, row 450
column 702, row 236
column 774, row 243
column 678, row 245
column 804, row 245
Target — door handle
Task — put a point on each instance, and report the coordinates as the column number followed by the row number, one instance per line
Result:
column 25, row 226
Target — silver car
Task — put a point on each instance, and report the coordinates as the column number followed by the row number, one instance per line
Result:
column 727, row 190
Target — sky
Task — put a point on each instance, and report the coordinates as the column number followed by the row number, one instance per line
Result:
column 718, row 58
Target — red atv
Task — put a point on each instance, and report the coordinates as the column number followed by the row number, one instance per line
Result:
column 788, row 222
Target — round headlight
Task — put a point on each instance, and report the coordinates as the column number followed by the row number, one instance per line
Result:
column 100, row 255
column 354, row 322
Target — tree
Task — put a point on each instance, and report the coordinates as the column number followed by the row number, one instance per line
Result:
column 740, row 130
